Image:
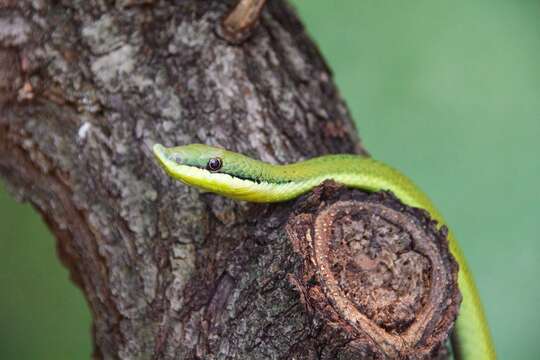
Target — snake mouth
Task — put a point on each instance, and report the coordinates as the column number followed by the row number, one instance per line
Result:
column 158, row 150
column 170, row 162
column 162, row 154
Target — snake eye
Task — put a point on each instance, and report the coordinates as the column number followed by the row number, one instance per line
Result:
column 214, row 164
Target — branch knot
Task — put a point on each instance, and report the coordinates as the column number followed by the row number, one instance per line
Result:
column 376, row 268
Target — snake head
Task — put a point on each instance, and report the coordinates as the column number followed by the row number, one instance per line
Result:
column 194, row 155
column 211, row 168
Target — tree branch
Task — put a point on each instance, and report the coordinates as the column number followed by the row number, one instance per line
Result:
column 87, row 87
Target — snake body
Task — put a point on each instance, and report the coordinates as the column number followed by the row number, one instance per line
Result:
column 240, row 177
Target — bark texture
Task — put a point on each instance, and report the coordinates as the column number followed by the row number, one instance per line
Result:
column 86, row 87
column 378, row 270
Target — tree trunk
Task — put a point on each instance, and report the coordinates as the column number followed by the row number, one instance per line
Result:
column 86, row 87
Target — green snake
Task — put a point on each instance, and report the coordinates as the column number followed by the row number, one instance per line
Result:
column 239, row 177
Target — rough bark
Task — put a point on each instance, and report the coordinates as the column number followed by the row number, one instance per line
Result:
column 375, row 269
column 86, row 87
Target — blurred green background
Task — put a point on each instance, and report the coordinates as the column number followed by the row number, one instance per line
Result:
column 449, row 92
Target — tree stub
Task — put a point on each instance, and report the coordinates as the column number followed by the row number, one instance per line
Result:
column 376, row 269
